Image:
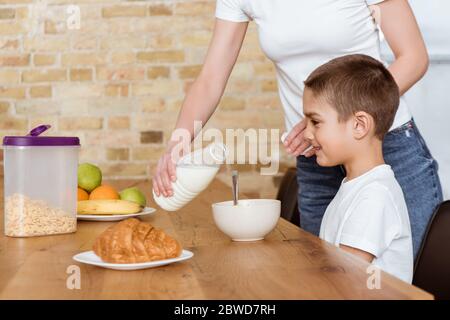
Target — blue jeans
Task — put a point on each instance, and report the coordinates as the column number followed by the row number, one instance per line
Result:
column 416, row 171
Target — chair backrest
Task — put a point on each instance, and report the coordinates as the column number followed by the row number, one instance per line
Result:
column 288, row 194
column 432, row 269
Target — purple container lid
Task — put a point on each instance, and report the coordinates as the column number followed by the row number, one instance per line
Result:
column 33, row 139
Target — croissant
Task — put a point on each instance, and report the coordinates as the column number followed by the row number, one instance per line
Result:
column 133, row 241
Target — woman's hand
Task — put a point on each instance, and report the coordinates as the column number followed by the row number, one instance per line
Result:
column 164, row 175
column 165, row 172
column 295, row 142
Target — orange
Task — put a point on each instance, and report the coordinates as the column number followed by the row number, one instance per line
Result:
column 82, row 194
column 104, row 192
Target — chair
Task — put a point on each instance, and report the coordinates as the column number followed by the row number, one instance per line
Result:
column 287, row 194
column 432, row 268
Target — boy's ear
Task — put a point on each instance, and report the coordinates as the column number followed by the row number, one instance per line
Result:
column 362, row 124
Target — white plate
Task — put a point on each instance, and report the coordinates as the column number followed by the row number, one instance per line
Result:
column 89, row 257
column 114, row 217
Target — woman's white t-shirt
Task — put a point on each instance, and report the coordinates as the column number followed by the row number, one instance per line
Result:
column 300, row 35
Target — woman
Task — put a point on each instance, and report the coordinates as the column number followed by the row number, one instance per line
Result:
column 298, row 36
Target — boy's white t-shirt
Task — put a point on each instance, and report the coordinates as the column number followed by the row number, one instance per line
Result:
column 369, row 213
column 300, row 35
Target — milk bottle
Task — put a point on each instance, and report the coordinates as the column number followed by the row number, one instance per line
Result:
column 194, row 173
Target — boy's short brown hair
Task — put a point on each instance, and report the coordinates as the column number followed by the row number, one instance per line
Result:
column 355, row 83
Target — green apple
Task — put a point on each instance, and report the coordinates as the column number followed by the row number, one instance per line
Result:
column 133, row 194
column 89, row 176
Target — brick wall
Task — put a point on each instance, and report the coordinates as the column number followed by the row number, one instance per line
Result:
column 118, row 82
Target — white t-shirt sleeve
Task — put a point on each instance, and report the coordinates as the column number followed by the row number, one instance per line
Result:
column 373, row 222
column 371, row 2
column 231, row 10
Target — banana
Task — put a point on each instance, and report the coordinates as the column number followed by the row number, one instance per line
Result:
column 107, row 207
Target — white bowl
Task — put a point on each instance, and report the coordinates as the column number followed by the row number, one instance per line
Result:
column 250, row 220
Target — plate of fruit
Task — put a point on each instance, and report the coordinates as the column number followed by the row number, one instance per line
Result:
column 103, row 202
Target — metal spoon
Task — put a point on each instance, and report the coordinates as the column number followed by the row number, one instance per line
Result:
column 235, row 176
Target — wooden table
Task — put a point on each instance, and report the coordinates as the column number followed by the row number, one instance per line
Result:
column 288, row 264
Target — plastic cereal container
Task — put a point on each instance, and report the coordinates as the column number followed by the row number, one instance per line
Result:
column 40, row 184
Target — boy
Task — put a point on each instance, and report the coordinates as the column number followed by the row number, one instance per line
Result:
column 350, row 103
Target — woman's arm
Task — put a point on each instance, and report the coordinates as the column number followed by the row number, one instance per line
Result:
column 403, row 35
column 207, row 89
column 204, row 94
